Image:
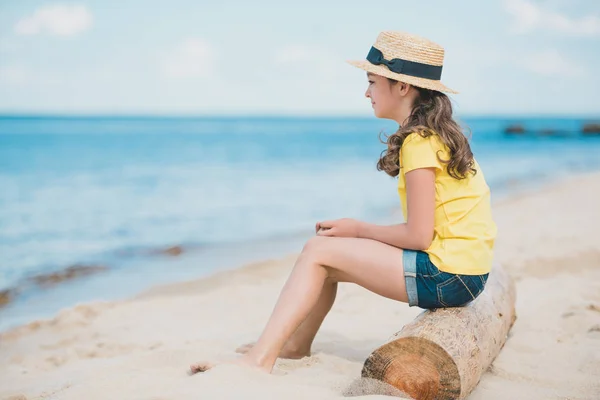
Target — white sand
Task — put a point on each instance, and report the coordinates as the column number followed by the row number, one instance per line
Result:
column 141, row 348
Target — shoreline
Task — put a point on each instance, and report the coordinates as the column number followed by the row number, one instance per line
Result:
column 139, row 347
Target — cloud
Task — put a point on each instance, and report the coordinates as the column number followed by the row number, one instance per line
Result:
column 552, row 63
column 529, row 16
column 60, row 20
column 192, row 58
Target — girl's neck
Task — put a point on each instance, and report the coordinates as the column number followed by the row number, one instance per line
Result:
column 402, row 115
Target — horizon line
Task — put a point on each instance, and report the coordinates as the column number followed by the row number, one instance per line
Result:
column 159, row 115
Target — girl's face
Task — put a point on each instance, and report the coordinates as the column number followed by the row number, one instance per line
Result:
column 390, row 101
column 380, row 92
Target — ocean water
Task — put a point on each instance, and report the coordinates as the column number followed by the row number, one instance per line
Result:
column 96, row 189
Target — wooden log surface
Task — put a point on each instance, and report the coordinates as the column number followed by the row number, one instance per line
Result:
column 442, row 353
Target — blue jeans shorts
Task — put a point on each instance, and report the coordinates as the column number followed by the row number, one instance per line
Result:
column 428, row 287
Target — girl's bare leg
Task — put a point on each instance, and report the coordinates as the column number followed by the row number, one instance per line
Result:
column 371, row 264
column 299, row 344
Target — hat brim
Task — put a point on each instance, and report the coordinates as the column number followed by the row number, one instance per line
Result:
column 384, row 71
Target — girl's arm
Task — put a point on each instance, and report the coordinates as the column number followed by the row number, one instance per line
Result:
column 417, row 232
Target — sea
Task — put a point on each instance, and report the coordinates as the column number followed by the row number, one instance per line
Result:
column 119, row 191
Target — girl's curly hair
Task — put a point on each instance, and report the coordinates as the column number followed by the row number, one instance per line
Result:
column 431, row 113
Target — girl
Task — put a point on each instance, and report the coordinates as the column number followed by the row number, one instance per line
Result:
column 442, row 254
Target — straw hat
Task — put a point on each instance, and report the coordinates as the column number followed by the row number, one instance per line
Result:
column 406, row 58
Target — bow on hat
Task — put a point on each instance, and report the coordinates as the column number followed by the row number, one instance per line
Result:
column 405, row 67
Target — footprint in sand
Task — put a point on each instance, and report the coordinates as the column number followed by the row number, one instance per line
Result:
column 593, row 307
column 287, row 365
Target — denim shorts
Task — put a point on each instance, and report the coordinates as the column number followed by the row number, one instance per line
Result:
column 428, row 287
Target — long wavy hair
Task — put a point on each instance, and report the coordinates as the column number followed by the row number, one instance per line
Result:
column 431, row 113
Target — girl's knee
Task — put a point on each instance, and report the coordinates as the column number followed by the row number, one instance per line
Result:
column 315, row 244
column 317, row 249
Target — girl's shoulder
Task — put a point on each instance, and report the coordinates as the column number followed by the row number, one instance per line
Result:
column 424, row 138
column 422, row 150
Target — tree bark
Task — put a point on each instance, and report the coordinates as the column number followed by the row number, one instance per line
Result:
column 442, row 353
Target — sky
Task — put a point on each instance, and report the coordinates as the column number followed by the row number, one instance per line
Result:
column 196, row 57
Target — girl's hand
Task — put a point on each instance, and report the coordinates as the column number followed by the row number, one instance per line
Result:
column 345, row 227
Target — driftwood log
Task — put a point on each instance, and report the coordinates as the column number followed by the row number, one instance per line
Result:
column 442, row 353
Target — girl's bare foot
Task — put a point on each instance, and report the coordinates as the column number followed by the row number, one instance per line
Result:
column 286, row 352
column 242, row 361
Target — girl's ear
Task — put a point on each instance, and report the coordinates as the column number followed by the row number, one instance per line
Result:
column 403, row 88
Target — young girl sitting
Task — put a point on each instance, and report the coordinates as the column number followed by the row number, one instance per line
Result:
column 440, row 257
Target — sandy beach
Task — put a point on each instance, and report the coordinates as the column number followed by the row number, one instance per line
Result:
column 141, row 348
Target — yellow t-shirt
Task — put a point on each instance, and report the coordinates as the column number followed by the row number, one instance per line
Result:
column 464, row 231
